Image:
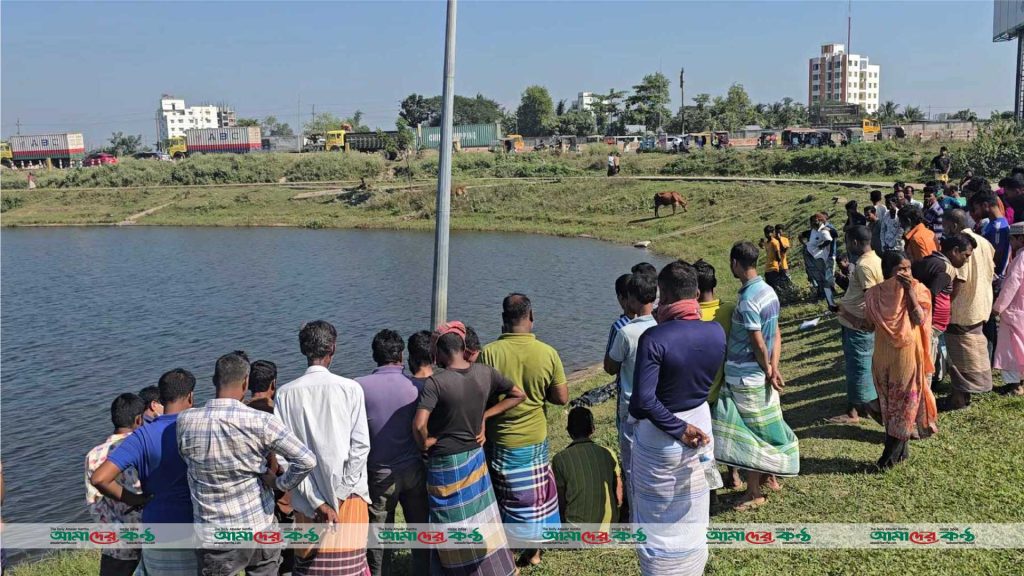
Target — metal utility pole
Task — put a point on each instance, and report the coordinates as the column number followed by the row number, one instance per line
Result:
column 19, row 126
column 298, row 124
column 439, row 307
column 849, row 26
column 682, row 100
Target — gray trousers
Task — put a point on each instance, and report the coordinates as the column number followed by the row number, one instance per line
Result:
column 388, row 489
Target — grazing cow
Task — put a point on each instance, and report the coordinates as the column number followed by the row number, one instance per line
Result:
column 458, row 190
column 672, row 199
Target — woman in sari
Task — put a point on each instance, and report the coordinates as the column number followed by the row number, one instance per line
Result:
column 900, row 310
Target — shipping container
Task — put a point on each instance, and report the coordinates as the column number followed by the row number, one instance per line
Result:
column 65, row 146
column 467, row 136
column 236, row 139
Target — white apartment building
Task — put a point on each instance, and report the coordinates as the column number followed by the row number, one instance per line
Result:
column 173, row 117
column 584, row 101
column 836, row 77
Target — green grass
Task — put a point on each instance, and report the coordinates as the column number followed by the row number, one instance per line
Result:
column 971, row 472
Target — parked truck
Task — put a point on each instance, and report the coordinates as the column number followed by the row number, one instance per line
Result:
column 6, row 157
column 61, row 150
column 233, row 140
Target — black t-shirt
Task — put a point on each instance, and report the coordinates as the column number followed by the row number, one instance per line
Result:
column 456, row 400
column 940, row 163
column 931, row 271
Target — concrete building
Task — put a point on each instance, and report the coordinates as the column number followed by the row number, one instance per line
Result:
column 173, row 117
column 226, row 117
column 584, row 101
column 835, row 77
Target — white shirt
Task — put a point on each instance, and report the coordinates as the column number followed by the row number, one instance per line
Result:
column 820, row 243
column 328, row 414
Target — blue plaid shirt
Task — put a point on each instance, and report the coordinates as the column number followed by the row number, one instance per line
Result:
column 225, row 445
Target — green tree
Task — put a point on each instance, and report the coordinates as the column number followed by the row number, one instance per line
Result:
column 648, row 105
column 536, row 112
column 124, row 145
column 734, row 111
column 323, row 122
column 888, row 112
column 576, row 123
column 270, row 126
column 509, row 123
column 415, row 110
column 246, row 122
column 607, row 111
column 356, row 122
column 560, row 109
column 967, row 115
column 479, row 109
column 912, row 114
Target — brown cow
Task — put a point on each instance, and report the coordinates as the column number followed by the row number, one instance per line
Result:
column 458, row 191
column 672, row 199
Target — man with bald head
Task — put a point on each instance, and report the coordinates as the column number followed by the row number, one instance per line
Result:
column 969, row 368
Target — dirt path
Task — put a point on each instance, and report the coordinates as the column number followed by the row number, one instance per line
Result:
column 129, row 221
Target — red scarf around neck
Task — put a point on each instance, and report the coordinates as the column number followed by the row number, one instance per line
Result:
column 688, row 309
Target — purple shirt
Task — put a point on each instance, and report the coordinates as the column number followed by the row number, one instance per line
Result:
column 391, row 399
column 676, row 363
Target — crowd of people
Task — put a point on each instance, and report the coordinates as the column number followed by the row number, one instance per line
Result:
column 456, row 432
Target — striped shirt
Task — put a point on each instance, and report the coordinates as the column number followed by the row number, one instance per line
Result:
column 225, row 445
column 756, row 311
column 621, row 321
column 586, row 476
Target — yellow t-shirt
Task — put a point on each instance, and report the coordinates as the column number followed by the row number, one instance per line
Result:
column 721, row 312
column 785, row 255
column 773, row 260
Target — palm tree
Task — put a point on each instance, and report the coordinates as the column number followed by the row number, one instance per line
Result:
column 887, row 112
column 912, row 114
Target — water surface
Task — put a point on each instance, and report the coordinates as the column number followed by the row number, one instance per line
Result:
column 88, row 313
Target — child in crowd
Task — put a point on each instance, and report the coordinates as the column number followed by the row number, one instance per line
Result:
column 587, row 475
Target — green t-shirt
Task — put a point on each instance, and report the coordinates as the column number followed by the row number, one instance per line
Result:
column 534, row 367
column 585, row 475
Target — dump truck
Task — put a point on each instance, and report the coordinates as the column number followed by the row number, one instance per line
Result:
column 62, row 150
column 6, row 157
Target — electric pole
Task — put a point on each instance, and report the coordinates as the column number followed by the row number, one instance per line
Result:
column 439, row 306
column 682, row 100
column 19, row 126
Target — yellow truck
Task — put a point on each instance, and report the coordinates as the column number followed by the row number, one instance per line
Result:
column 6, row 156
column 177, row 147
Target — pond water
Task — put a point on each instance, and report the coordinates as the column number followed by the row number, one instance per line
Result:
column 89, row 313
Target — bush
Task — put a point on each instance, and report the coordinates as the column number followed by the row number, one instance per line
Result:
column 336, row 166
column 867, row 159
column 997, row 150
column 229, row 169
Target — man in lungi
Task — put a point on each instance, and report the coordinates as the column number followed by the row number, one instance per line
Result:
column 969, row 367
column 517, row 449
column 749, row 430
column 676, row 364
column 858, row 341
column 449, row 427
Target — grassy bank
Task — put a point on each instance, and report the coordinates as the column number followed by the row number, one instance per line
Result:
column 873, row 161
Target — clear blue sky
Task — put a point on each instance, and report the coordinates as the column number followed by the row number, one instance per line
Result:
column 99, row 67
